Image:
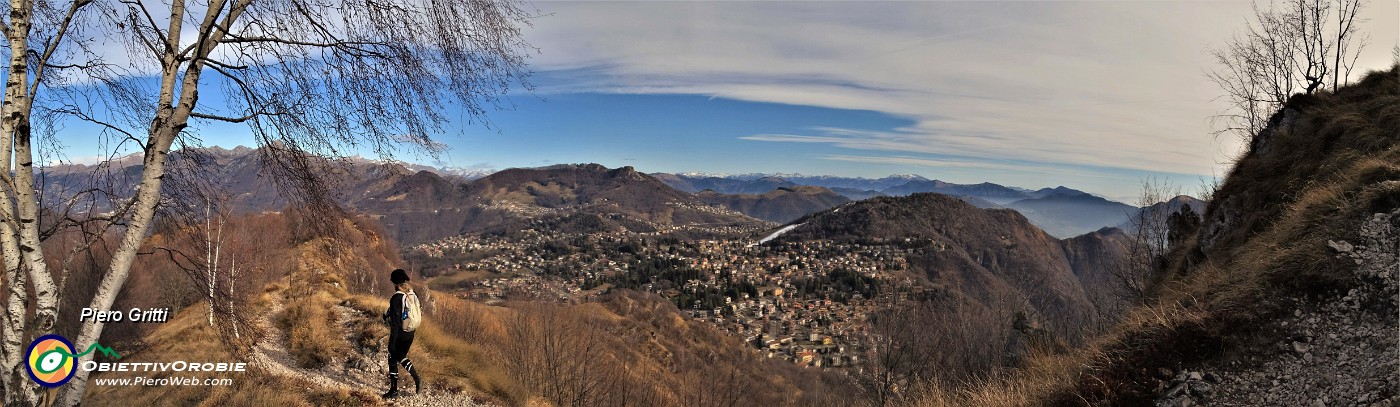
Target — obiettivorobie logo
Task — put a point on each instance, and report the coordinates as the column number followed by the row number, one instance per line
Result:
column 51, row 361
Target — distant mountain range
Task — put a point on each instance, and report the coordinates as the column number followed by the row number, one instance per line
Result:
column 1072, row 213
column 986, row 191
column 418, row 203
column 1061, row 211
column 723, row 185
column 855, row 188
column 420, row 206
column 781, row 205
column 579, row 198
column 827, row 181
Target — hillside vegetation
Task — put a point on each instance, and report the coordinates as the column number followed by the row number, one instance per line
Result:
column 316, row 329
column 1287, row 293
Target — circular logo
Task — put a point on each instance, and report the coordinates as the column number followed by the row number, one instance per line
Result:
column 50, row 360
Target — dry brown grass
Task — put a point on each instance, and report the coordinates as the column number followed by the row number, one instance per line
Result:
column 312, row 337
column 188, row 337
column 313, row 290
column 1322, row 176
column 469, row 320
column 456, row 363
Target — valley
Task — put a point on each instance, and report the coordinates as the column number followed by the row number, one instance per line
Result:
column 572, row 234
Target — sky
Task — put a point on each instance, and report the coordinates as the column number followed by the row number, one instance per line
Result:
column 1094, row 95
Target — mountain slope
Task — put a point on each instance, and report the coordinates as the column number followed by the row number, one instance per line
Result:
column 592, row 188
column 314, row 337
column 856, row 194
column 1162, row 210
column 1066, row 214
column 1287, row 294
column 779, row 205
column 419, row 206
column 723, row 185
column 825, row 181
column 986, row 190
column 990, row 256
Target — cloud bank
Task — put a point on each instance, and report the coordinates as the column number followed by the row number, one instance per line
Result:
column 1019, row 87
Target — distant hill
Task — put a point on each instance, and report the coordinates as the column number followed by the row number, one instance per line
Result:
column 1067, row 214
column 1161, row 210
column 1060, row 190
column 419, row 206
column 1061, row 211
column 859, row 188
column 723, row 185
column 979, row 202
column 239, row 171
column 986, row 191
column 856, row 194
column 583, row 198
column 779, row 205
column 985, row 255
column 864, row 184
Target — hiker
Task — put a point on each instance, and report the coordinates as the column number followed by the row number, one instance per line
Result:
column 403, row 317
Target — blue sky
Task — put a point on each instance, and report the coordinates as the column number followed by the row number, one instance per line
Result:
column 1091, row 95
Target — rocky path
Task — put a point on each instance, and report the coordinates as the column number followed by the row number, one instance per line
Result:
column 270, row 353
column 1343, row 351
column 356, row 373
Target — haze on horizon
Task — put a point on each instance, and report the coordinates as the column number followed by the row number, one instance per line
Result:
column 1090, row 95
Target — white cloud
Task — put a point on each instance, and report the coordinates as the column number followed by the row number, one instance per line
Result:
column 1106, row 84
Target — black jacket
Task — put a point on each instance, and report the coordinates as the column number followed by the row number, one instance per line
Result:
column 394, row 316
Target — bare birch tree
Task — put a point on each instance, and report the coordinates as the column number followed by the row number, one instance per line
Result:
column 35, row 33
column 308, row 77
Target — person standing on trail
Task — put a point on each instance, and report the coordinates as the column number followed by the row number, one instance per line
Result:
column 403, row 317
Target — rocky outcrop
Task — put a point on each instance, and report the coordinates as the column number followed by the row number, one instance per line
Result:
column 1342, row 350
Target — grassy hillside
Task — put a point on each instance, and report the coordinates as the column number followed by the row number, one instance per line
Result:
column 309, row 340
column 1263, row 279
column 313, row 337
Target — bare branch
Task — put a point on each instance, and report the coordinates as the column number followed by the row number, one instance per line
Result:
column 84, row 116
column 154, row 27
column 227, row 119
column 1299, row 49
column 53, row 44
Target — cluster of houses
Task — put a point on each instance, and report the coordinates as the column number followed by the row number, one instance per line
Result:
column 783, row 309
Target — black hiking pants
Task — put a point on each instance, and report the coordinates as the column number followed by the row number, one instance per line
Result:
column 398, row 352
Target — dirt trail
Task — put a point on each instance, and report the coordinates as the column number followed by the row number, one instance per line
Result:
column 353, row 372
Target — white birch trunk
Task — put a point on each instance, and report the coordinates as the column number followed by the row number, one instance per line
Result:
column 20, row 234
column 214, row 268
column 147, row 195
column 232, row 274
column 170, row 120
column 209, row 259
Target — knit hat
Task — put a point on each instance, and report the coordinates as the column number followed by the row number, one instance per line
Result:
column 398, row 276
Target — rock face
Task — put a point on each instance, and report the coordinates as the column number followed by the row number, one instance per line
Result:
column 1341, row 351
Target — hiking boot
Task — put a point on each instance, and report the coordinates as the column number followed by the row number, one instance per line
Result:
column 393, row 387
column 417, row 382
